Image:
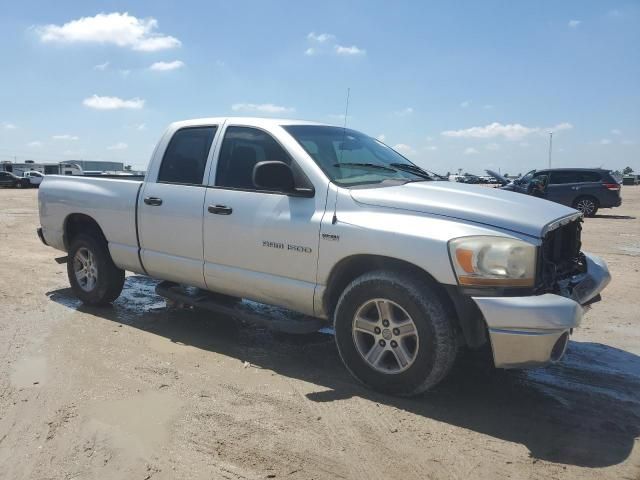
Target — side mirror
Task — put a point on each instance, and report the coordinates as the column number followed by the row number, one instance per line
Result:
column 274, row 175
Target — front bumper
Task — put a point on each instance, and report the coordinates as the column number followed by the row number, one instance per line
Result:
column 534, row 331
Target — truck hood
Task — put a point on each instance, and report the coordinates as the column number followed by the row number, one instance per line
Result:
column 488, row 206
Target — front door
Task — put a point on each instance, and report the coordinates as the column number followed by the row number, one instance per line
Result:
column 259, row 244
column 171, row 208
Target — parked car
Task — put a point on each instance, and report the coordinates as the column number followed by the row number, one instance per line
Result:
column 585, row 189
column 34, row 177
column 329, row 222
column 631, row 179
column 8, row 179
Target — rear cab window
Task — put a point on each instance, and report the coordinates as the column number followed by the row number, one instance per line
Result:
column 185, row 158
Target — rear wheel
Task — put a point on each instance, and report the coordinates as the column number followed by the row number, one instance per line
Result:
column 92, row 274
column 587, row 205
column 394, row 333
column 19, row 185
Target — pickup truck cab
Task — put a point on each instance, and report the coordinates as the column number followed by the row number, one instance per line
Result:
column 34, row 177
column 332, row 223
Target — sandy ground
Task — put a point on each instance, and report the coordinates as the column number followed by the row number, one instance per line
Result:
column 140, row 391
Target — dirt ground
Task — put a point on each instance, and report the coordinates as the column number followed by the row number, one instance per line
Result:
column 141, row 391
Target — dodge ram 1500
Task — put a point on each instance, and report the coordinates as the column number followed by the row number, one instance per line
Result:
column 332, row 223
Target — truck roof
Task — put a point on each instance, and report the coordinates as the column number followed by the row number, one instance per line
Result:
column 250, row 121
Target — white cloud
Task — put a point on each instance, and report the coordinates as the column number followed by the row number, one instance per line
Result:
column 321, row 37
column 615, row 131
column 140, row 126
column 488, row 106
column 431, row 148
column 112, row 103
column 465, row 104
column 119, row 29
column 561, row 126
column 492, row 146
column 628, row 142
column 101, row 66
column 381, row 137
column 166, row 66
column 64, row 137
column 125, row 73
column 269, row 108
column 349, row 51
column 34, row 144
column 404, row 112
column 605, row 141
column 118, row 146
column 514, row 131
column 8, row 126
column 470, row 151
column 574, row 23
column 429, row 139
column 404, row 149
column 327, row 42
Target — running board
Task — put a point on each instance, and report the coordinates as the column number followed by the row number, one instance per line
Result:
column 273, row 318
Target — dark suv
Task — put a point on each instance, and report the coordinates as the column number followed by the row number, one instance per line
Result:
column 585, row 189
column 8, row 179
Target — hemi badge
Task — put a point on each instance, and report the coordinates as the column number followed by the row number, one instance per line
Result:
column 330, row 237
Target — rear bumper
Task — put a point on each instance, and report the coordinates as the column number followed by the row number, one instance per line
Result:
column 534, row 331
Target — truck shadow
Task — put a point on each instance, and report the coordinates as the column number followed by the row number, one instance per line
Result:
column 584, row 411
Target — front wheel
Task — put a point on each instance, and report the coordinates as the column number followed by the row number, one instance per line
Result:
column 93, row 276
column 395, row 333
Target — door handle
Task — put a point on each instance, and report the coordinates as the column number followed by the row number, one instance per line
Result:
column 154, row 201
column 220, row 209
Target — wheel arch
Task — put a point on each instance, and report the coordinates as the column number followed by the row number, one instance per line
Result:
column 468, row 320
column 76, row 223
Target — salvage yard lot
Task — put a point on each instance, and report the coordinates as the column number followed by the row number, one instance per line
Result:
column 142, row 391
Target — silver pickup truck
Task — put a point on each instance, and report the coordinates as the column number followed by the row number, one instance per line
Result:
column 335, row 225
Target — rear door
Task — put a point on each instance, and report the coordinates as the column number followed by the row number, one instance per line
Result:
column 563, row 186
column 259, row 244
column 171, row 208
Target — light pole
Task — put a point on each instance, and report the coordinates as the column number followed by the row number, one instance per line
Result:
column 550, row 146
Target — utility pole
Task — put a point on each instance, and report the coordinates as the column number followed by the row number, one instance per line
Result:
column 550, row 146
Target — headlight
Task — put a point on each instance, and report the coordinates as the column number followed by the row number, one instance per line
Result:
column 493, row 261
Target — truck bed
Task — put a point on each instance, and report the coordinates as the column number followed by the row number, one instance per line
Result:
column 109, row 201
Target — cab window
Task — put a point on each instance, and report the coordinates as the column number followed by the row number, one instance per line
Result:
column 186, row 156
column 242, row 148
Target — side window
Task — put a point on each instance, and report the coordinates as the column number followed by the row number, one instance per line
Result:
column 242, row 148
column 590, row 177
column 185, row 159
column 564, row 176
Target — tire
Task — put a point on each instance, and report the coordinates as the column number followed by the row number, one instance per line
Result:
column 18, row 184
column 431, row 353
column 587, row 205
column 104, row 281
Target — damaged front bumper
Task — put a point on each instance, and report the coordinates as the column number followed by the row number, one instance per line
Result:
column 533, row 331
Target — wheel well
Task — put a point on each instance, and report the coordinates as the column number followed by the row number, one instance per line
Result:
column 77, row 223
column 467, row 317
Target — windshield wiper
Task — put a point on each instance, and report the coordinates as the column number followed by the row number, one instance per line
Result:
column 364, row 165
column 416, row 170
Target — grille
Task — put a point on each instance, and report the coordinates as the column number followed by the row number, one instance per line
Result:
column 560, row 253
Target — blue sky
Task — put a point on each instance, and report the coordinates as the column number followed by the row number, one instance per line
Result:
column 451, row 85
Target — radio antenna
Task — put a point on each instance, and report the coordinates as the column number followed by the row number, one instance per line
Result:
column 344, row 134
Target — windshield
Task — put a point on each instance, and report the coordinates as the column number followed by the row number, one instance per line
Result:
column 351, row 158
